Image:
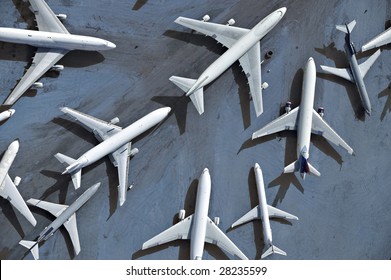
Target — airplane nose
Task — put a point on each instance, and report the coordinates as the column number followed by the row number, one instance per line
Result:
column 111, row 45
column 282, row 11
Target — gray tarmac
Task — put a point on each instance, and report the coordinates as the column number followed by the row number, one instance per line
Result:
column 344, row 214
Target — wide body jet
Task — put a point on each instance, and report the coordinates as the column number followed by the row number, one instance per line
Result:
column 243, row 45
column 52, row 40
column 198, row 228
column 8, row 188
column 115, row 142
column 264, row 211
column 305, row 120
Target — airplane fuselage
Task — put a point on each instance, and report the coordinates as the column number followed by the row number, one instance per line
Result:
column 304, row 125
column 237, row 50
column 200, row 217
column 67, row 213
column 357, row 76
column 113, row 143
column 53, row 40
column 7, row 160
column 267, row 232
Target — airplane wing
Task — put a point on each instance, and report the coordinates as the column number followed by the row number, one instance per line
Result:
column 224, row 34
column 9, row 191
column 287, row 121
column 121, row 161
column 46, row 19
column 215, row 236
column 101, row 129
column 71, row 226
column 53, row 208
column 320, row 127
column 340, row 72
column 180, row 230
column 43, row 60
column 277, row 213
column 251, row 64
column 367, row 64
column 253, row 214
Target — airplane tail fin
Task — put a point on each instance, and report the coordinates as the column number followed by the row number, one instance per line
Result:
column 273, row 250
column 69, row 162
column 347, row 28
column 197, row 97
column 32, row 246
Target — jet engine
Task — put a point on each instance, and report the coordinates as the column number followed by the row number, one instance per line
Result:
column 61, row 16
column 216, row 220
column 17, row 181
column 206, row 18
column 133, row 152
column 321, row 111
column 264, row 85
column 181, row 214
column 37, row 85
column 231, row 22
column 288, row 107
column 58, row 68
column 114, row 120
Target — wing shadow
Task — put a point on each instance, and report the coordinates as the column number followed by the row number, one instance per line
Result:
column 387, row 106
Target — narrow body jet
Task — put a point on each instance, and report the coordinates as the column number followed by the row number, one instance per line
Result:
column 8, row 188
column 115, row 142
column 356, row 72
column 264, row 211
column 305, row 120
column 65, row 215
column 52, row 41
column 243, row 45
column 199, row 228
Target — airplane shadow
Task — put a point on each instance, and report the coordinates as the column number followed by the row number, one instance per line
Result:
column 139, row 4
column 339, row 58
column 9, row 213
column 25, row 13
column 196, row 39
column 178, row 105
column 387, row 106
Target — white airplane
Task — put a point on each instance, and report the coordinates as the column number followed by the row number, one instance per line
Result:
column 382, row 39
column 52, row 40
column 357, row 72
column 8, row 188
column 305, row 120
column 65, row 215
column 264, row 211
column 6, row 114
column 199, row 228
column 243, row 45
column 115, row 142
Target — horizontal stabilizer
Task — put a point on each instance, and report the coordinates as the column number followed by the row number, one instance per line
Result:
column 293, row 167
column 347, row 28
column 64, row 159
column 76, row 178
column 197, row 97
column 273, row 249
column 198, row 100
column 313, row 170
column 183, row 83
column 277, row 213
column 32, row 246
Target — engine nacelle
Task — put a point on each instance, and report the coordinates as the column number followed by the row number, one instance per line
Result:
column 181, row 214
column 206, row 18
column 321, row 111
column 288, row 107
column 216, row 220
column 114, row 120
column 58, row 68
column 133, row 152
column 17, row 181
column 231, row 22
column 62, row 16
column 37, row 85
column 264, row 85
